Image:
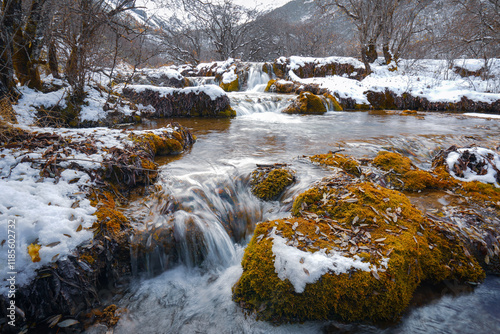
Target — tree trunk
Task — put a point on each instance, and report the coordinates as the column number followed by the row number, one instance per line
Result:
column 52, row 57
column 387, row 54
column 368, row 56
column 7, row 83
column 26, row 44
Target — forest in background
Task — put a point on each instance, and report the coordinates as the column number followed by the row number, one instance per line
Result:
column 72, row 38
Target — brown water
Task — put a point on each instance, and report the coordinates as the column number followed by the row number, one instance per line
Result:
column 193, row 298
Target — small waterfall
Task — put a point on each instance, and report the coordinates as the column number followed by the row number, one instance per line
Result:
column 257, row 78
column 198, row 220
column 246, row 103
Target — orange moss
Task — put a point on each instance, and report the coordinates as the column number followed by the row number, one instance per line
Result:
column 332, row 102
column 109, row 219
column 327, row 215
column 160, row 144
column 87, row 258
column 403, row 174
column 348, row 164
column 33, row 250
column 232, row 86
column 270, row 85
column 110, row 315
column 306, row 103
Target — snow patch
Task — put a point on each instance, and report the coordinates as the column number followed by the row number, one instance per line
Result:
column 301, row 267
column 229, row 76
column 212, row 91
column 490, row 158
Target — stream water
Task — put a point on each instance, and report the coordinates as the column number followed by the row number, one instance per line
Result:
column 193, row 293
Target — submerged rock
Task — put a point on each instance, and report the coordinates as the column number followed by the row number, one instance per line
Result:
column 269, row 182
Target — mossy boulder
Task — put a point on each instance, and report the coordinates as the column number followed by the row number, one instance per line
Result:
column 281, row 86
column 347, row 163
column 268, row 183
column 306, row 103
column 231, row 86
column 467, row 161
column 331, row 102
column 355, row 251
column 404, row 175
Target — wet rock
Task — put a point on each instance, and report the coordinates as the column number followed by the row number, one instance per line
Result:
column 269, row 182
column 306, row 103
column 355, row 251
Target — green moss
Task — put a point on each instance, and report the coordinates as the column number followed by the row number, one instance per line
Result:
column 306, row 103
column 268, row 185
column 159, row 145
column 330, row 215
column 227, row 113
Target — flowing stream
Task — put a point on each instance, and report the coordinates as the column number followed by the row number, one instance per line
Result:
column 191, row 293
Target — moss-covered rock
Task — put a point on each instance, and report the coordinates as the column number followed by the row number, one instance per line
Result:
column 306, row 103
column 403, row 174
column 331, row 102
column 347, row 163
column 474, row 190
column 268, row 183
column 232, row 86
column 389, row 243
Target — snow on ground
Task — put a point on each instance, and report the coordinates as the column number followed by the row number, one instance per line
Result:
column 164, row 71
column 296, row 62
column 434, row 80
column 301, row 267
column 31, row 99
column 49, row 211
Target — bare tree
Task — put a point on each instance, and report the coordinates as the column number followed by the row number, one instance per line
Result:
column 226, row 24
column 394, row 21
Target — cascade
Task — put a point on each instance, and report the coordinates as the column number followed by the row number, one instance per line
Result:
column 257, row 79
